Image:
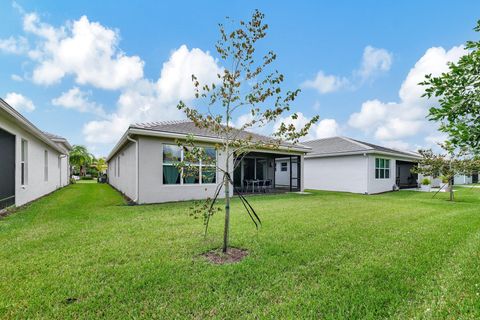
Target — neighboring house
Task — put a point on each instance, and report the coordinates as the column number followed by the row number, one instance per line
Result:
column 64, row 164
column 344, row 164
column 460, row 179
column 32, row 163
column 142, row 164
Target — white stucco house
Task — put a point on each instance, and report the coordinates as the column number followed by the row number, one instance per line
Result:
column 344, row 164
column 32, row 163
column 141, row 165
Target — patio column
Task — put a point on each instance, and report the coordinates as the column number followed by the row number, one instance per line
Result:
column 290, row 173
column 300, row 173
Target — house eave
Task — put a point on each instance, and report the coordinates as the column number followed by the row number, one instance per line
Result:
column 28, row 126
column 200, row 138
column 361, row 152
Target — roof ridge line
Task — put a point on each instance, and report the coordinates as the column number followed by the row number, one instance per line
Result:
column 357, row 143
column 320, row 139
column 158, row 123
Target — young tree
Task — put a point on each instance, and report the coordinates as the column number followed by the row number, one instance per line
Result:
column 80, row 158
column 458, row 92
column 245, row 87
column 447, row 165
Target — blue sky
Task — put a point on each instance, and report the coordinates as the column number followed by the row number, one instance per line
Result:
column 85, row 70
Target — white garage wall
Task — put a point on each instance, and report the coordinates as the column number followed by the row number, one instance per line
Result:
column 36, row 185
column 346, row 173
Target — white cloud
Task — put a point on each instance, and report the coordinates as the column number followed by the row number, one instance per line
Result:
column 322, row 129
column 16, row 77
column 156, row 101
column 390, row 122
column 78, row 100
column 398, row 144
column 374, row 60
column 19, row 102
column 14, row 45
column 326, row 83
column 326, row 128
column 436, row 138
column 87, row 50
column 372, row 112
column 176, row 77
column 243, row 119
column 105, row 131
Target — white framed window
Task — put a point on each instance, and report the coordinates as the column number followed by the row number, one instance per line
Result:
column 197, row 172
column 45, row 165
column 24, row 163
column 284, row 166
column 382, row 168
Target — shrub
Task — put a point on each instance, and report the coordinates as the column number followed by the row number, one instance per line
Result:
column 73, row 181
column 86, row 178
column 425, row 181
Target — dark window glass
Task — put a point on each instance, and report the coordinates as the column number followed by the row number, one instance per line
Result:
column 171, row 174
column 191, row 174
column 209, row 175
column 210, row 156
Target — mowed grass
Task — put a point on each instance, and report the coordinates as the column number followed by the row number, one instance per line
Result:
column 82, row 253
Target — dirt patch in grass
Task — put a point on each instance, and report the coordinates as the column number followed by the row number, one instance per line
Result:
column 233, row 255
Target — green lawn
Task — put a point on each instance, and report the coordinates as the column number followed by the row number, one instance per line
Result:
column 81, row 253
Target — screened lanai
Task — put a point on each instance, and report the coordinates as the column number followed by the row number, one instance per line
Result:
column 259, row 172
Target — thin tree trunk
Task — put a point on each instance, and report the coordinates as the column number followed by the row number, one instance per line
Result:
column 227, row 211
column 450, row 188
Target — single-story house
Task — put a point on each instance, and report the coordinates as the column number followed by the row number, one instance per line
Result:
column 32, row 163
column 461, row 179
column 345, row 164
column 142, row 164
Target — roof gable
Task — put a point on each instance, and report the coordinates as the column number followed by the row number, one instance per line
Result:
column 345, row 146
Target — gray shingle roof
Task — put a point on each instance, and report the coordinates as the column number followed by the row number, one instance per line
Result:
column 188, row 127
column 59, row 140
column 53, row 136
column 343, row 145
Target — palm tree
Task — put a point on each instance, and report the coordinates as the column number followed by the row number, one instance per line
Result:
column 80, row 158
column 101, row 165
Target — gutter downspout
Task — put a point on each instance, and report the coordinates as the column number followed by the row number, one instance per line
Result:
column 137, row 167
